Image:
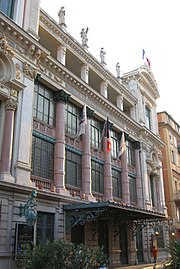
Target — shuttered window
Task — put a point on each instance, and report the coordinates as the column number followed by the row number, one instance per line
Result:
column 42, row 158
column 132, row 189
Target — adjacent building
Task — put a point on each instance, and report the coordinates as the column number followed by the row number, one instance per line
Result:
column 85, row 140
column 169, row 131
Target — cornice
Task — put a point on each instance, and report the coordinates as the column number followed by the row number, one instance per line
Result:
column 67, row 40
column 20, row 41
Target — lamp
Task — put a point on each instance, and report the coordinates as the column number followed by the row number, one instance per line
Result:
column 29, row 210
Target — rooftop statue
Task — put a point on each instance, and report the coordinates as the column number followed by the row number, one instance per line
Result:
column 84, row 37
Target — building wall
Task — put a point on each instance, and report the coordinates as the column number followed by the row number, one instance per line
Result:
column 45, row 63
column 170, row 133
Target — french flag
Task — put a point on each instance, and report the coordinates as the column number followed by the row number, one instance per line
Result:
column 145, row 58
column 106, row 131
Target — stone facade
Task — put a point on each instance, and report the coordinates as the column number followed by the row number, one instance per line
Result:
column 84, row 193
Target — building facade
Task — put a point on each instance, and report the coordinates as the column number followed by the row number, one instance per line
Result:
column 169, row 131
column 86, row 193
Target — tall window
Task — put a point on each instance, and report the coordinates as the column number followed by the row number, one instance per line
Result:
column 97, row 177
column 42, row 158
column 45, row 227
column 95, row 130
column 132, row 189
column 7, row 7
column 130, row 153
column 116, row 183
column 152, row 187
column 72, row 115
column 148, row 118
column 115, row 143
column 44, row 106
column 73, row 169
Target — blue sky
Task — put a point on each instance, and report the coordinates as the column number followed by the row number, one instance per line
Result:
column 123, row 28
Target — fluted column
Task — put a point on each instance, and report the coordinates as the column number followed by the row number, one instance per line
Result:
column 138, row 176
column 86, row 160
column 125, row 179
column 7, row 145
column 59, row 154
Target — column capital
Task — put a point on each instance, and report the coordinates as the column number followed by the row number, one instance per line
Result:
column 11, row 104
column 90, row 112
column 62, row 96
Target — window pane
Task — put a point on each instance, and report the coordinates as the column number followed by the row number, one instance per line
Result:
column 97, row 177
column 72, row 115
column 116, row 182
column 73, row 169
column 44, row 106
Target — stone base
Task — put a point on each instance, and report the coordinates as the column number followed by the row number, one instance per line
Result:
column 91, row 198
column 7, row 177
column 62, row 191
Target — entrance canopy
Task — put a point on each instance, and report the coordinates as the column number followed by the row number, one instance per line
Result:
column 79, row 214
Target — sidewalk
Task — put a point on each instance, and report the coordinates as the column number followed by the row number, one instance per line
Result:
column 142, row 266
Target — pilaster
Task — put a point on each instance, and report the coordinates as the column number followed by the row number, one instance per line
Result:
column 103, row 89
column 61, row 54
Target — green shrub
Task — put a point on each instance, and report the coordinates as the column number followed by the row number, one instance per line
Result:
column 174, row 249
column 61, row 255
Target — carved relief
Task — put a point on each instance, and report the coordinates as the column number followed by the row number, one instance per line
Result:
column 18, row 71
column 29, row 71
column 5, row 46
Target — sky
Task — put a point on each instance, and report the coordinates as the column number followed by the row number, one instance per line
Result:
column 125, row 27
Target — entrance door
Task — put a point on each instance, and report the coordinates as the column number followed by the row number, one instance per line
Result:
column 77, row 234
column 139, row 246
column 103, row 236
column 123, row 242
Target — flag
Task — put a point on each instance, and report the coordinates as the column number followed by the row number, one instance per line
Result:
column 107, row 135
column 122, row 147
column 83, row 122
column 145, row 58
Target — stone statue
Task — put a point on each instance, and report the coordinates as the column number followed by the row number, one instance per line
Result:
column 118, row 70
column 102, row 55
column 61, row 16
column 84, row 37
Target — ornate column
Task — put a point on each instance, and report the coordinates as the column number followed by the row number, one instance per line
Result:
column 103, row 88
column 86, row 160
column 108, row 189
column 59, row 154
column 7, row 145
column 85, row 73
column 61, row 54
column 125, row 179
column 138, row 175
